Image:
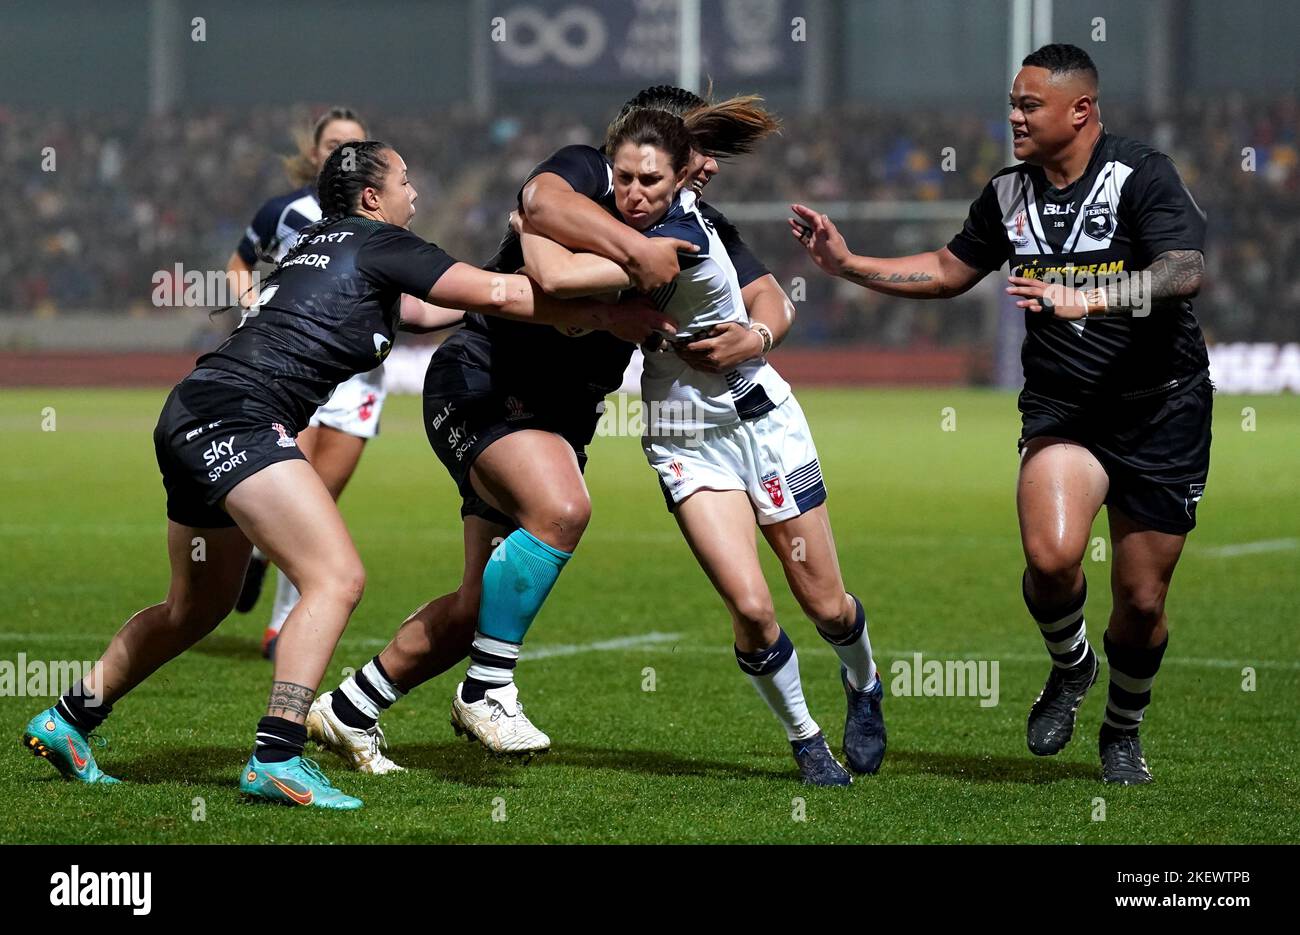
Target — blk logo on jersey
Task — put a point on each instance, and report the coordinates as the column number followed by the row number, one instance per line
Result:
column 382, row 346
column 1098, row 221
column 772, row 484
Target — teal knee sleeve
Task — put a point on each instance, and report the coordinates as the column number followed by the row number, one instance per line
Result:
column 516, row 581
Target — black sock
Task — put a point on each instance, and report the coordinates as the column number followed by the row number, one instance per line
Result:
column 1132, row 672
column 348, row 713
column 279, row 740
column 84, row 711
column 1062, row 627
column 473, row 690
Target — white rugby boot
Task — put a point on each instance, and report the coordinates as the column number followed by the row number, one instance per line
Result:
column 362, row 750
column 498, row 722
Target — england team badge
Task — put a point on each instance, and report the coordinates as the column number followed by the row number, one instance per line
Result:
column 772, row 484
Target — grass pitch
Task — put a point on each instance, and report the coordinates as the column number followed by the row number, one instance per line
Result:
column 926, row 527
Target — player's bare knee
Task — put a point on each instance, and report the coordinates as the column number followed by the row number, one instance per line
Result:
column 561, row 523
column 831, row 613
column 1140, row 603
column 1053, row 564
column 344, row 588
column 753, row 613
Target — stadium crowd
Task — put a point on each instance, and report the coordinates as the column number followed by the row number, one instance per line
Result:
column 99, row 202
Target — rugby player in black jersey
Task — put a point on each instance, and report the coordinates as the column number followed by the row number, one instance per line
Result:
column 338, row 431
column 233, row 473
column 510, row 410
column 1117, row 398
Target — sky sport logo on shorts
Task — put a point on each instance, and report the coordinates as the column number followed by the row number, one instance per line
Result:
column 221, row 457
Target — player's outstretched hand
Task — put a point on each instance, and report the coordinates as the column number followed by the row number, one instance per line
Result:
column 725, row 347
column 820, row 238
column 1054, row 298
column 655, row 262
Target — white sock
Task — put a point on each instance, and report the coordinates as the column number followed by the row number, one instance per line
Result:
column 387, row 690
column 774, row 673
column 365, row 701
column 492, row 661
column 286, row 598
column 854, row 650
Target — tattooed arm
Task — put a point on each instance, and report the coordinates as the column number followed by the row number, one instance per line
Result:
column 934, row 275
column 1175, row 275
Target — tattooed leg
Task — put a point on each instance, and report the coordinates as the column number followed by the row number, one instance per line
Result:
column 290, row 700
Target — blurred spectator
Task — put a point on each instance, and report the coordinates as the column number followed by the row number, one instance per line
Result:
column 132, row 195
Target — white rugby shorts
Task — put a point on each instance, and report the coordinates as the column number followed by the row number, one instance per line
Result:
column 355, row 406
column 772, row 458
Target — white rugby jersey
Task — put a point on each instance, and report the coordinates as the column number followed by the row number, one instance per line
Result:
column 275, row 228
column 705, row 293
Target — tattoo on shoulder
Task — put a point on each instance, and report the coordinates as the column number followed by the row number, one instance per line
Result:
column 289, row 698
column 864, row 278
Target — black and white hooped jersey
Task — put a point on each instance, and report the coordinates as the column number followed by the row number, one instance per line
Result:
column 327, row 314
column 592, row 364
column 275, row 227
column 705, row 293
column 1128, row 207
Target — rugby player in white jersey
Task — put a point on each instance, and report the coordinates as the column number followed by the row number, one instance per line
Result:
column 731, row 448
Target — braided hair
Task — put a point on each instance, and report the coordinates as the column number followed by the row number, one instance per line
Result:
column 664, row 97
column 356, row 165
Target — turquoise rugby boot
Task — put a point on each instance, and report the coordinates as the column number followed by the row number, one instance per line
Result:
column 294, row 782
column 50, row 736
